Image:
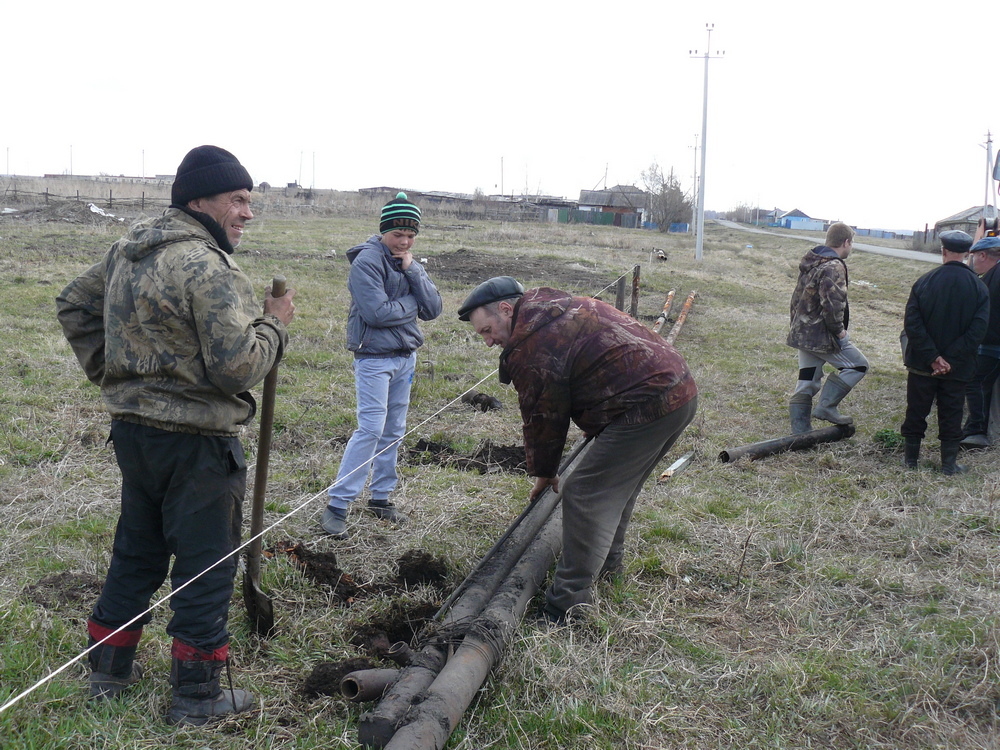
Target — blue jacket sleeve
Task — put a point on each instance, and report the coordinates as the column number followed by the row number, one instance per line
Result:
column 428, row 298
column 366, row 281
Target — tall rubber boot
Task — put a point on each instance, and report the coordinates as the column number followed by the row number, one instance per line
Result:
column 911, row 452
column 198, row 696
column 112, row 667
column 949, row 456
column 834, row 390
column 799, row 409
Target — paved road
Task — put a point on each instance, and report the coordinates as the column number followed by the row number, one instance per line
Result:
column 890, row 251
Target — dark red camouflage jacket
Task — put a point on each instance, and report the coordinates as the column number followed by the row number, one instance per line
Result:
column 579, row 359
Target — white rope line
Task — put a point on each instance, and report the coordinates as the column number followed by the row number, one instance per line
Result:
column 163, row 600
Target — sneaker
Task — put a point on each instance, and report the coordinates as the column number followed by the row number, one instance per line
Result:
column 387, row 511
column 334, row 522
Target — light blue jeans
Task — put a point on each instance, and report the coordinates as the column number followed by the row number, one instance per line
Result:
column 383, row 394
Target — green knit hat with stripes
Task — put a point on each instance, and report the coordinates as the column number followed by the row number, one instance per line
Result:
column 399, row 213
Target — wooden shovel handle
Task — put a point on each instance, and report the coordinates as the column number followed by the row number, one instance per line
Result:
column 263, row 454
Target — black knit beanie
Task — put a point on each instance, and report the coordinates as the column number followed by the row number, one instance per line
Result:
column 208, row 170
column 399, row 213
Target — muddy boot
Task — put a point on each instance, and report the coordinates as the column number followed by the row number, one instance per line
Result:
column 949, row 456
column 198, row 697
column 799, row 408
column 334, row 522
column 112, row 668
column 386, row 511
column 911, row 452
column 834, row 390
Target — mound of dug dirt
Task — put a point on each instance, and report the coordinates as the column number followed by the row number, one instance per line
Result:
column 486, row 459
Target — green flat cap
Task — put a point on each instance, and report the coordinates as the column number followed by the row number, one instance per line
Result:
column 493, row 290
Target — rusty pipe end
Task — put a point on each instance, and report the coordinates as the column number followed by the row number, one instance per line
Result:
column 367, row 684
column 401, row 653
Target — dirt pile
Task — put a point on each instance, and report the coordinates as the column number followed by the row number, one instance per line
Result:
column 488, row 457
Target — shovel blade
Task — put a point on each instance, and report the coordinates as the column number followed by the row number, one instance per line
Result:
column 260, row 609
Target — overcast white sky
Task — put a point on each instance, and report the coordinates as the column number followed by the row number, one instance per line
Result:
column 874, row 113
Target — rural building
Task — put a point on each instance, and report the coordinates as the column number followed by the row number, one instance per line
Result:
column 796, row 219
column 621, row 206
column 966, row 220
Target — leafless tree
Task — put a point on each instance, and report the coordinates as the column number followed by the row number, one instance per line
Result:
column 667, row 202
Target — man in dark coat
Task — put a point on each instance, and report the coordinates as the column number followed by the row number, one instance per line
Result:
column 979, row 391
column 946, row 319
column 578, row 359
column 819, row 319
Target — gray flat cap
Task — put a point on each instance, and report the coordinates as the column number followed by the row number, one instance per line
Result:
column 956, row 241
column 492, row 290
column 987, row 243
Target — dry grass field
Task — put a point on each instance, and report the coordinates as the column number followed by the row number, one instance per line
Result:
column 822, row 599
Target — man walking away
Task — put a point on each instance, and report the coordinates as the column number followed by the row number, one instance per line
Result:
column 819, row 318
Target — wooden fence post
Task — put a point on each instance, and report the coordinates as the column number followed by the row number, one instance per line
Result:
column 110, row 199
column 620, row 293
column 634, row 307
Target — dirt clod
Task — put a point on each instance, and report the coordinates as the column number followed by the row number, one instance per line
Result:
column 418, row 566
column 400, row 623
column 481, row 401
column 65, row 589
column 320, row 567
column 488, row 458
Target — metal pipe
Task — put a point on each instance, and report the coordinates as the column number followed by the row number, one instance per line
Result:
column 377, row 726
column 367, row 684
column 663, row 315
column 434, row 718
column 401, row 653
column 800, row 442
column 681, row 318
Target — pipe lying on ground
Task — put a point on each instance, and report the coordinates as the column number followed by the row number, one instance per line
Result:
column 367, row 684
column 401, row 653
column 433, row 719
column 377, row 726
column 800, row 442
column 681, row 318
column 663, row 315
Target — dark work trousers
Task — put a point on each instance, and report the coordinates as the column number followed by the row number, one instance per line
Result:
column 921, row 393
column 182, row 495
column 979, row 395
column 598, row 499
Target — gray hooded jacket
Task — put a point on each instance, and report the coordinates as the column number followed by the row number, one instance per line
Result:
column 387, row 302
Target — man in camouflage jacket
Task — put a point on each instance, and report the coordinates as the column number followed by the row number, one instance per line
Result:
column 168, row 326
column 581, row 360
column 819, row 319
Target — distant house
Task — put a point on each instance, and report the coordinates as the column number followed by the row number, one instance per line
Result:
column 626, row 204
column 966, row 220
column 795, row 219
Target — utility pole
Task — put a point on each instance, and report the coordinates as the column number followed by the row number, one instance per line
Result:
column 699, row 242
column 694, row 189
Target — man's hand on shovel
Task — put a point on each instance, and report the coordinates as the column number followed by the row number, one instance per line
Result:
column 281, row 306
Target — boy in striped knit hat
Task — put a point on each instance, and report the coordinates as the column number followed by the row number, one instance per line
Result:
column 390, row 292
